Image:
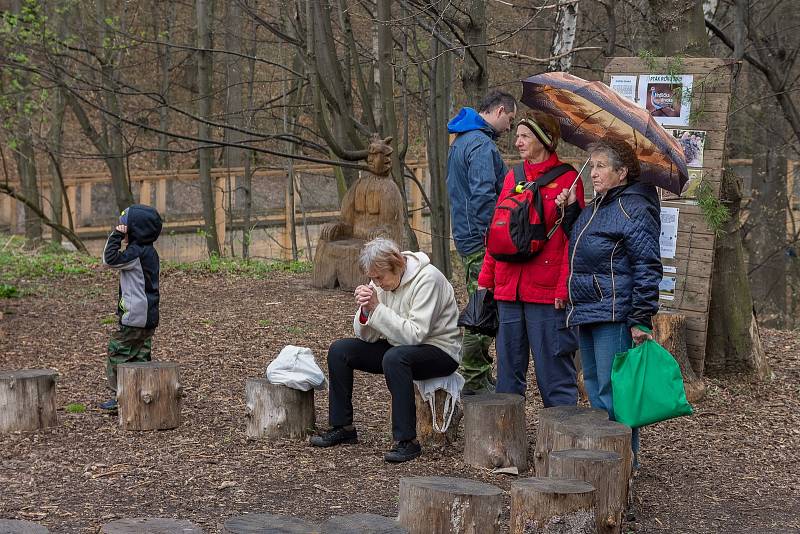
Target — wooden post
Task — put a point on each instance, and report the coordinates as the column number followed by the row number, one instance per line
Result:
column 12, row 526
column 595, row 434
column 276, row 411
column 495, row 433
column 149, row 395
column 5, row 211
column 85, row 211
column 158, row 525
column 604, row 471
column 543, row 505
column 548, row 419
column 670, row 332
column 219, row 212
column 363, row 524
column 145, row 192
column 416, row 199
column 72, row 196
column 44, row 201
column 27, row 399
column 161, row 196
column 253, row 523
column 433, row 505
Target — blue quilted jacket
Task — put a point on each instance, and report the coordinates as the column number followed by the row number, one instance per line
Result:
column 615, row 259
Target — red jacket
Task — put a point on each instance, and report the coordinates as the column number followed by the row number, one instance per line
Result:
column 543, row 278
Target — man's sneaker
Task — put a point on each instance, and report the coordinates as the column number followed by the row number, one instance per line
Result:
column 403, row 451
column 335, row 436
column 110, row 405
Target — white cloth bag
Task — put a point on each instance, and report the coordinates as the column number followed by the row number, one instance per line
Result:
column 295, row 368
column 452, row 385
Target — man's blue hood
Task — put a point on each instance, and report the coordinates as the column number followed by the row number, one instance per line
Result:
column 467, row 120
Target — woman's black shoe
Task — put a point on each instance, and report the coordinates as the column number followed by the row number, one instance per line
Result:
column 335, row 436
column 403, row 451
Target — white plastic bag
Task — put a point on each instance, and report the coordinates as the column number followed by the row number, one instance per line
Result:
column 295, row 368
column 452, row 385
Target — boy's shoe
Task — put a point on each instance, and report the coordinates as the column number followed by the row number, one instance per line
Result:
column 335, row 436
column 110, row 405
column 403, row 451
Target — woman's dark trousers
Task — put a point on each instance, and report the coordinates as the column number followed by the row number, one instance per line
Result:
column 400, row 365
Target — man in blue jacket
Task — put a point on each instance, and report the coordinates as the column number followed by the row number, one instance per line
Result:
column 475, row 174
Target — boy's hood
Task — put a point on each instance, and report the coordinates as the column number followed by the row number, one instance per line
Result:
column 144, row 224
column 415, row 262
column 467, row 120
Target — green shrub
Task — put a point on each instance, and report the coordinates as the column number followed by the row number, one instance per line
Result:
column 17, row 262
column 237, row 266
column 7, row 291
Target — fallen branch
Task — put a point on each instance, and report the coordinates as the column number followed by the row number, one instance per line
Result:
column 517, row 55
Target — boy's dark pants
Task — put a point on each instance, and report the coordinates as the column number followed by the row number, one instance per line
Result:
column 128, row 344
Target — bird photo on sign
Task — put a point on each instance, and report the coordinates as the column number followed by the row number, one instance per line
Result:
column 666, row 97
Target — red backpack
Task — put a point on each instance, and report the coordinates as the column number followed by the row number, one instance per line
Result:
column 518, row 231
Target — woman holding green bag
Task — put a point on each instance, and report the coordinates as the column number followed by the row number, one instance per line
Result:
column 615, row 265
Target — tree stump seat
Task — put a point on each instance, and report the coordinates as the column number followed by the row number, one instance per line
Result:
column 362, row 524
column 548, row 419
column 268, row 524
column 427, row 435
column 278, row 411
column 149, row 395
column 433, row 505
column 151, row 525
column 495, row 433
column 13, row 526
column 543, row 505
column 27, row 399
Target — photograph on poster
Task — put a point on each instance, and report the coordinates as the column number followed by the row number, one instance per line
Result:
column 690, row 189
column 666, row 288
column 668, row 98
column 692, row 142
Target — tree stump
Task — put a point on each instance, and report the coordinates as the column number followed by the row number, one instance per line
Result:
column 27, row 399
column 548, row 419
column 432, row 505
column 363, row 524
column 268, row 524
column 495, row 434
column 12, row 526
column 277, row 411
column 669, row 330
column 604, row 471
column 577, row 433
column 149, row 395
column 426, row 434
column 151, row 525
column 542, row 505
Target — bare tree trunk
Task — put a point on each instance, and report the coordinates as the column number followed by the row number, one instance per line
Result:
column 204, row 155
column 165, row 63
column 54, row 141
column 564, row 36
column 474, row 72
column 611, row 43
column 681, row 27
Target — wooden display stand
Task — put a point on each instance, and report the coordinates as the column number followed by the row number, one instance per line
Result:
column 542, row 505
column 549, row 418
column 363, row 524
column 605, row 472
column 372, row 207
column 12, row 526
column 669, row 329
column 28, row 399
column 149, row 395
column 253, row 523
column 155, row 525
column 277, row 411
column 495, row 433
column 433, row 505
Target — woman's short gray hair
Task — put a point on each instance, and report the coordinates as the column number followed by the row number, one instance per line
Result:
column 620, row 154
column 381, row 254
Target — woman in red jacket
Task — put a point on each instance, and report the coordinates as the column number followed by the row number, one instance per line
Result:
column 531, row 295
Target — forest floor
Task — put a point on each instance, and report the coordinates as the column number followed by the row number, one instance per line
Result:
column 734, row 466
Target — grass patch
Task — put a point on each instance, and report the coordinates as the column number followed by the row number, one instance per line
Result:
column 111, row 319
column 264, row 322
column 75, row 407
column 296, row 330
column 46, row 261
column 7, row 291
column 237, row 266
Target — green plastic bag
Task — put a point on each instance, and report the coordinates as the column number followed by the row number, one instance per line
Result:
column 647, row 386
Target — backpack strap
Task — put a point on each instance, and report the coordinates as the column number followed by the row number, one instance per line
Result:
column 547, row 177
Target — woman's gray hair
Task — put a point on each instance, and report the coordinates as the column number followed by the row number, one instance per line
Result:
column 381, row 254
column 620, row 154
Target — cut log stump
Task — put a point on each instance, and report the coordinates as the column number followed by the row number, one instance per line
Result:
column 543, row 505
column 149, row 395
column 27, row 399
column 426, row 434
column 577, row 433
column 12, row 526
column 548, row 419
column 439, row 505
column 151, row 525
column 277, row 411
column 495, row 434
column 670, row 332
column 363, row 524
column 268, row 524
column 604, row 471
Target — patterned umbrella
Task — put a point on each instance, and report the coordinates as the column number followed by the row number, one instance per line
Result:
column 590, row 111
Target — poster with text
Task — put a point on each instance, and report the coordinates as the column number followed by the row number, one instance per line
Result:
column 669, row 232
column 625, row 86
column 692, row 142
column 666, row 288
column 668, row 98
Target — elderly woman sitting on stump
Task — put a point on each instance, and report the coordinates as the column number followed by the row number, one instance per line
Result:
column 405, row 329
